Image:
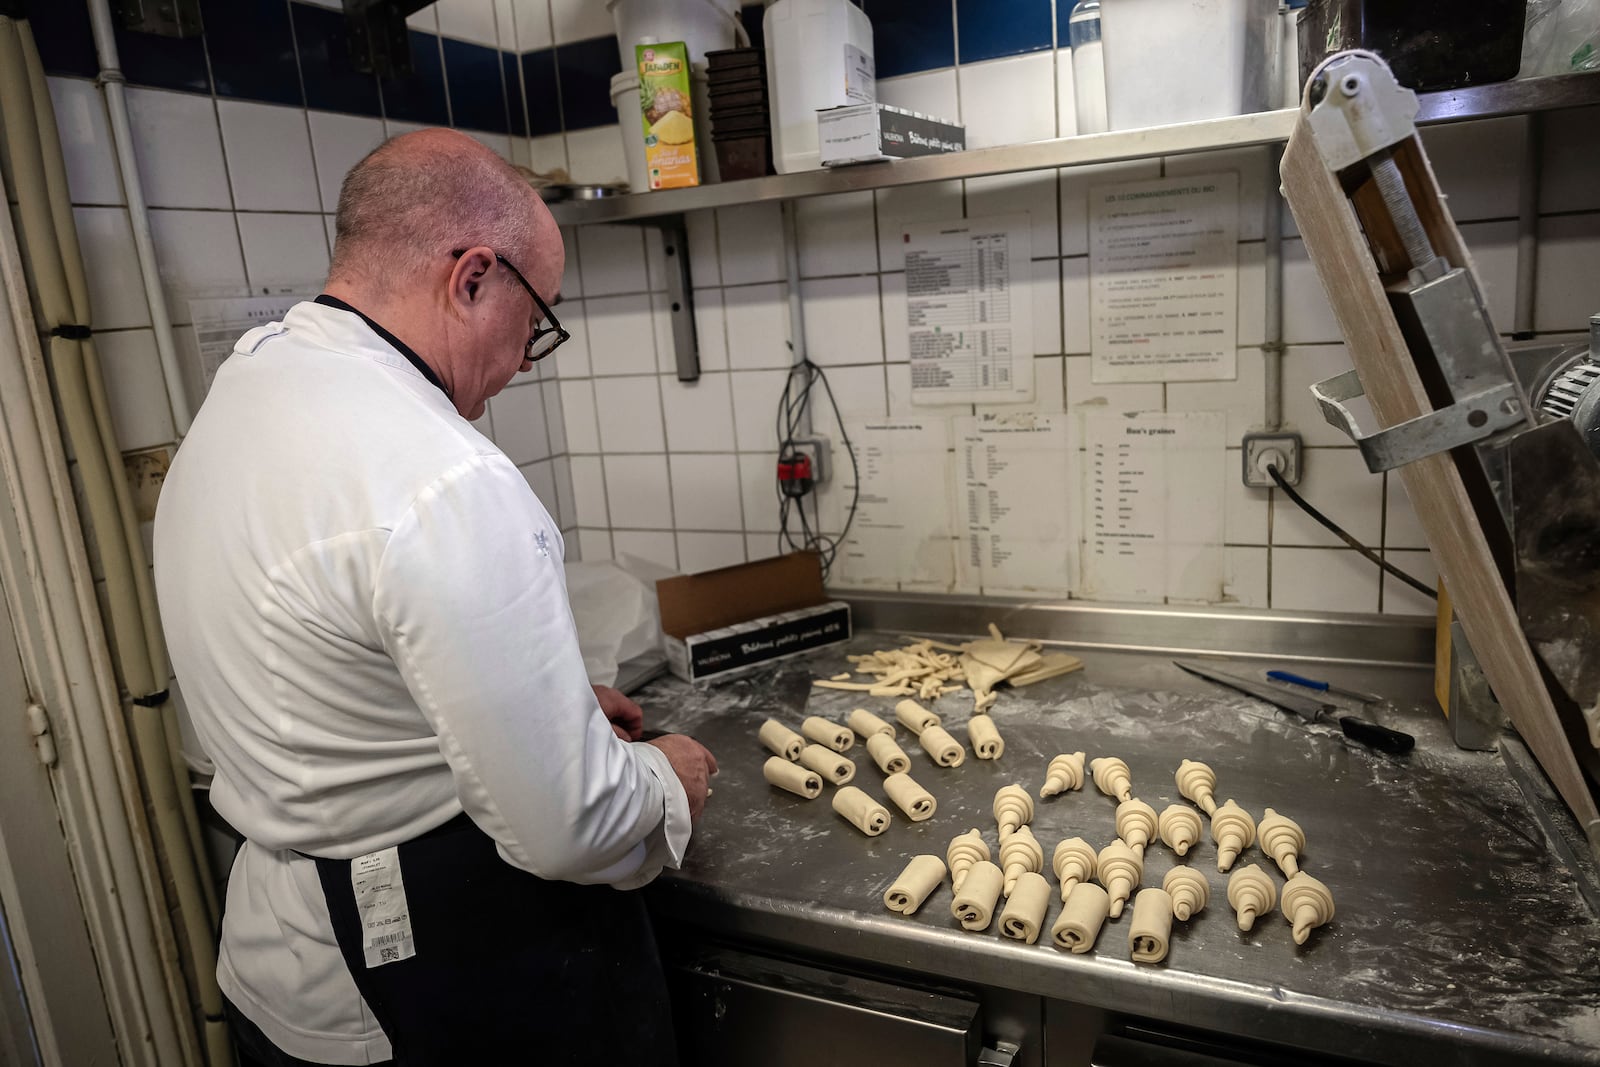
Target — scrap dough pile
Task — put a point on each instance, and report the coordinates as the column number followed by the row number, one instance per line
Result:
column 1094, row 884
column 928, row 669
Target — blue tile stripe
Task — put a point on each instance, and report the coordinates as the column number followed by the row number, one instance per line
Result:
column 296, row 53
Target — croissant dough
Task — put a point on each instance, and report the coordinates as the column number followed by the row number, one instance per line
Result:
column 861, row 811
column 914, row 716
column 1081, row 918
column 1307, row 903
column 945, row 750
column 1283, row 840
column 780, row 740
column 1233, row 830
column 920, row 878
column 1013, row 809
column 975, row 900
column 1150, row 929
column 1026, row 904
column 1111, row 777
column 1136, row 823
column 868, row 725
column 1119, row 869
column 1073, row 862
column 986, row 740
column 909, row 797
column 1195, row 783
column 793, row 777
column 1188, row 889
column 887, row 755
column 828, row 763
column 965, row 850
column 1020, row 853
column 1065, row 772
column 1251, row 894
column 1179, row 828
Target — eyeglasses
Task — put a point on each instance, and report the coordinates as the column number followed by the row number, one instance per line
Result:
column 547, row 338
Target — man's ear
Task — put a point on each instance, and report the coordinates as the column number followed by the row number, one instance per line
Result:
column 469, row 272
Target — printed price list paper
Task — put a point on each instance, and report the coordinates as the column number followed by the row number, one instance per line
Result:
column 1017, row 493
column 219, row 322
column 902, row 535
column 1152, row 497
column 1164, row 279
column 969, row 311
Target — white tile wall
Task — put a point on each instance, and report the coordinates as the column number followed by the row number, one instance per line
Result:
column 1009, row 101
column 86, row 142
column 705, row 492
column 631, row 461
column 630, row 414
column 284, row 250
column 269, row 157
column 699, row 415
column 179, row 148
column 105, row 237
column 338, row 142
column 637, row 492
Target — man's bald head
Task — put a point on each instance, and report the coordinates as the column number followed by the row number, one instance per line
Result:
column 417, row 197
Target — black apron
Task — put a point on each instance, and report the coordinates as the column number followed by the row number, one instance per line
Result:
column 509, row 968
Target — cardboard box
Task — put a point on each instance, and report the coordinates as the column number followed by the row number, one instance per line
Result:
column 868, row 133
column 727, row 622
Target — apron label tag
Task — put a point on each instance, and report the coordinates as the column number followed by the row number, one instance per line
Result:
column 381, row 903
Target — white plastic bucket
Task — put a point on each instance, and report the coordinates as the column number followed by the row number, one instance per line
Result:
column 625, row 98
column 703, row 25
column 1171, row 61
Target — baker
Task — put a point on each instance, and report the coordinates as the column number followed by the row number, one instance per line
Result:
column 367, row 614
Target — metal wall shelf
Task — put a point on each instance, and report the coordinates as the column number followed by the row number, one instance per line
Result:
column 1267, row 127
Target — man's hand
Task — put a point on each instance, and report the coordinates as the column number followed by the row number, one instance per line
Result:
column 694, row 765
column 626, row 717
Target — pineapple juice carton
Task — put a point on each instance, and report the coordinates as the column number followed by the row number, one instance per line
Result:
column 666, row 110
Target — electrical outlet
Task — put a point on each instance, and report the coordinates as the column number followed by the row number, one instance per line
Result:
column 816, row 448
column 1262, row 450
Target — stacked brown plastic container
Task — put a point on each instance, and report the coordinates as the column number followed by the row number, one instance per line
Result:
column 741, row 126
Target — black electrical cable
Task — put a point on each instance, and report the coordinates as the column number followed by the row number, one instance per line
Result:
column 793, row 406
column 1338, row 531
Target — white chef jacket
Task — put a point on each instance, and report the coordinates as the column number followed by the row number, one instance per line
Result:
column 366, row 609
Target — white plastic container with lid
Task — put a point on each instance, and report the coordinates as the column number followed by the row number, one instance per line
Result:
column 702, row 25
column 819, row 55
column 1173, row 61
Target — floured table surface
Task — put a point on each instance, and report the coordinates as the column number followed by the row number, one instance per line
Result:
column 1450, row 912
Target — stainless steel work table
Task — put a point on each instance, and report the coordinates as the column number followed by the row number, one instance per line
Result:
column 1458, row 937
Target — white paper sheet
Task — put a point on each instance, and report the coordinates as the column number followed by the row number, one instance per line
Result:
column 1164, row 274
column 1017, row 494
column 1152, row 499
column 969, row 310
column 902, row 532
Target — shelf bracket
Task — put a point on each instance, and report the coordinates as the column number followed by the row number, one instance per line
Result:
column 680, row 291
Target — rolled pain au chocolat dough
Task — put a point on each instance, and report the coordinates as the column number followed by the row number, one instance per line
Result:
column 975, row 900
column 828, row 763
column 909, row 797
column 1082, row 916
column 793, row 777
column 920, row 878
column 861, row 811
column 889, row 757
column 945, row 750
column 780, row 740
column 986, row 740
column 1025, row 908
column 867, row 724
column 839, row 738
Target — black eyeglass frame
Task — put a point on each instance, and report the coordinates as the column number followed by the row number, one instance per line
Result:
column 551, row 331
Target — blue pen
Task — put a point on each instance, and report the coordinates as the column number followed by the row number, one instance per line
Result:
column 1324, row 687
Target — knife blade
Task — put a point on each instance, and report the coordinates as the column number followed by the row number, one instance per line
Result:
column 1312, row 710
